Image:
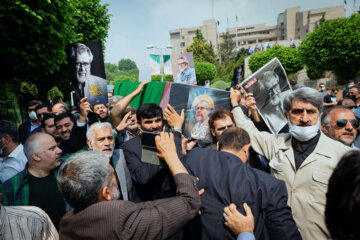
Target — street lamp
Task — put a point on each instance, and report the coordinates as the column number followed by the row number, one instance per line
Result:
column 161, row 51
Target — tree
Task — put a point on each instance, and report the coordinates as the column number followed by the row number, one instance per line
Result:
column 204, row 71
column 227, row 48
column 127, row 65
column 288, row 56
column 334, row 46
column 202, row 51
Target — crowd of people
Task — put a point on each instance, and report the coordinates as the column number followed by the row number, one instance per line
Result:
column 80, row 173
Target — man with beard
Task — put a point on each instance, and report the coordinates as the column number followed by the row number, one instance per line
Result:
column 48, row 126
column 201, row 128
column 340, row 124
column 187, row 74
column 102, row 111
column 151, row 181
column 132, row 128
column 100, row 138
column 304, row 158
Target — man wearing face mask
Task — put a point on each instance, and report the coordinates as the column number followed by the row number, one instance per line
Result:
column 304, row 158
column 12, row 157
column 186, row 74
column 349, row 85
column 27, row 127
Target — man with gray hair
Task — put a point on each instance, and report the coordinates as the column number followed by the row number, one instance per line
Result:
column 88, row 184
column 100, row 138
column 186, row 74
column 36, row 185
column 304, row 158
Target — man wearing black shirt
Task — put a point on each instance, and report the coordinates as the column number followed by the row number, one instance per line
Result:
column 36, row 184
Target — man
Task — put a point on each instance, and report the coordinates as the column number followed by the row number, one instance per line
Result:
column 340, row 124
column 27, row 127
column 322, row 89
column 151, row 181
column 87, row 85
column 348, row 103
column 132, row 128
column 59, row 108
column 304, row 158
column 342, row 199
column 71, row 132
column 330, row 98
column 187, row 74
column 25, row 223
column 40, row 110
column 12, row 157
column 36, row 184
column 100, row 138
column 219, row 121
column 349, row 85
column 228, row 179
column 102, row 111
column 92, row 200
column 48, row 125
column 201, row 129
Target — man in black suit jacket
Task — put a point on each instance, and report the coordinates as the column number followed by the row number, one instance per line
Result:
column 27, row 127
column 227, row 179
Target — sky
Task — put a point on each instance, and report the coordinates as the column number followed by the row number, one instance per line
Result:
column 136, row 24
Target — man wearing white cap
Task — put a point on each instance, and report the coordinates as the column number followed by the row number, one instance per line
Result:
column 186, row 74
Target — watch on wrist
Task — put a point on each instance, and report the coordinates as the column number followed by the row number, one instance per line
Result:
column 176, row 129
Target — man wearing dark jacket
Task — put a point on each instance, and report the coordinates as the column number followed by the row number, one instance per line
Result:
column 227, row 179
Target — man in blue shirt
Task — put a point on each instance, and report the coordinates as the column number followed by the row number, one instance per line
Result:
column 186, row 74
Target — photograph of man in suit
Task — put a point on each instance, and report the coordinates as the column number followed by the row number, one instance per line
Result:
column 86, row 84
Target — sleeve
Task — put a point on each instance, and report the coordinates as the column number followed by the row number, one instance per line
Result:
column 279, row 220
column 246, row 236
column 162, row 218
column 140, row 172
column 261, row 142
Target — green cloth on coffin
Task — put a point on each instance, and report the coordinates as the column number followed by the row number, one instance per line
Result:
column 152, row 92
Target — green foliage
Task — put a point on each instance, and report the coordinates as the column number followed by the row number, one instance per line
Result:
column 167, row 78
column 202, row 51
column 334, row 46
column 28, row 88
column 227, row 48
column 314, row 73
column 127, row 65
column 220, row 85
column 53, row 92
column 204, row 71
column 289, row 58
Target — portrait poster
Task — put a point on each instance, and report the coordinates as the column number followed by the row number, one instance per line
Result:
column 269, row 85
column 199, row 104
column 87, row 71
column 183, row 68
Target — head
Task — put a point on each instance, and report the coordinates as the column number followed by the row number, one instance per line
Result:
column 42, row 151
column 87, row 178
column 347, row 102
column 83, row 61
column 31, row 109
column 219, row 121
column 48, row 124
column 59, row 108
column 203, row 109
column 102, row 110
column 354, row 93
column 236, row 141
column 322, row 87
column 271, row 85
column 150, row 117
column 64, row 123
column 9, row 137
column 113, row 100
column 340, row 124
column 342, row 210
column 334, row 92
column 303, row 106
column 350, row 83
column 182, row 63
column 133, row 126
column 100, row 138
column 40, row 110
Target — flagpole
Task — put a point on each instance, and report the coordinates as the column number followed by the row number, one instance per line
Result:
column 236, row 33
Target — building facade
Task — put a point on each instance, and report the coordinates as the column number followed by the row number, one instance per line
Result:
column 292, row 24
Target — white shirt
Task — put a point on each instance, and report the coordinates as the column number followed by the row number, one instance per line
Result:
column 12, row 164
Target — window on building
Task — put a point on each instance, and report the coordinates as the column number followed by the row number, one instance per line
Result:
column 182, row 44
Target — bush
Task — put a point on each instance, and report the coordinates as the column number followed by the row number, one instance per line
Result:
column 220, row 85
column 123, row 77
column 157, row 78
column 315, row 73
column 289, row 58
column 53, row 92
column 204, row 71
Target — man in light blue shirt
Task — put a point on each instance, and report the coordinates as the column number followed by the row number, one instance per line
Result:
column 187, row 74
column 12, row 157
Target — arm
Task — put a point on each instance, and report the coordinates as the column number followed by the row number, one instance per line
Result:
column 242, row 226
column 115, row 113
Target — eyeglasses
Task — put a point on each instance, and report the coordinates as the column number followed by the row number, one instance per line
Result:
column 343, row 122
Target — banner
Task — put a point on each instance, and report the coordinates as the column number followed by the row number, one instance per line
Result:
column 269, row 85
column 87, row 71
column 156, row 61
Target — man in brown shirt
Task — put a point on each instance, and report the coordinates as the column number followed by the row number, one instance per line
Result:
column 88, row 184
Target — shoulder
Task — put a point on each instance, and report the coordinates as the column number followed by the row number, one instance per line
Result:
column 15, row 179
column 132, row 143
column 24, row 125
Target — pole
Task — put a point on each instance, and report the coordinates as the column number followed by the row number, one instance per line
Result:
column 161, row 64
column 237, row 45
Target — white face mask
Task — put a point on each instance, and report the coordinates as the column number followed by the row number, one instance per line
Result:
column 32, row 115
column 303, row 134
